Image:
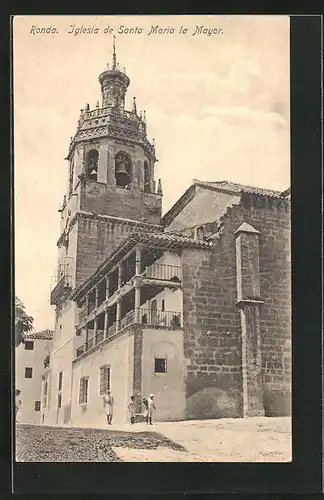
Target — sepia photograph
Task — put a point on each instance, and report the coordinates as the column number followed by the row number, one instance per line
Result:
column 152, row 228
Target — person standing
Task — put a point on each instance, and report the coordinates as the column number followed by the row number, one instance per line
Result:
column 131, row 409
column 109, row 402
column 18, row 402
column 150, row 408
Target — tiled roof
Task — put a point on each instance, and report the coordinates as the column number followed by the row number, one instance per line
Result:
column 43, row 335
column 164, row 240
column 237, row 188
column 168, row 240
column 226, row 187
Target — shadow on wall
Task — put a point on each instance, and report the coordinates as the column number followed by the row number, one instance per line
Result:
column 212, row 402
column 277, row 403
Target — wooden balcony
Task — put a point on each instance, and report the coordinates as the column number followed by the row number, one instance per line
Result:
column 171, row 320
column 61, row 289
column 163, row 272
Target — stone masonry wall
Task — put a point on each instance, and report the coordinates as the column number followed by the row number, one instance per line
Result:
column 97, row 238
column 127, row 203
column 212, row 343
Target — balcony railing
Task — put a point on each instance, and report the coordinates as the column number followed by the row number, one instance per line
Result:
column 163, row 272
column 167, row 319
column 61, row 289
column 83, row 314
column 100, row 337
column 128, row 319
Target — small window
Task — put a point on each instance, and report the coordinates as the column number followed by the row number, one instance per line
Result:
column 59, row 391
column 37, row 405
column 83, row 391
column 162, row 305
column 29, row 345
column 160, row 365
column 60, row 381
column 104, row 380
column 28, row 372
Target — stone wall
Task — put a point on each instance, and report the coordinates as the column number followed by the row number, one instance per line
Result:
column 212, row 339
column 97, row 238
column 211, row 335
column 132, row 204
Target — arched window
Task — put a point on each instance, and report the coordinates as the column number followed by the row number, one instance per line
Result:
column 92, row 164
column 123, row 170
column 147, row 178
column 200, row 233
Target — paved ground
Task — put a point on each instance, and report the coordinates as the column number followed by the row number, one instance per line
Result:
column 258, row 439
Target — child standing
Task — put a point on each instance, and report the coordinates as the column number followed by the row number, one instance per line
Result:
column 131, row 409
column 109, row 406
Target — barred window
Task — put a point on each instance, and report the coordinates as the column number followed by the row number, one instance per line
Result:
column 28, row 372
column 83, row 391
column 160, row 365
column 29, row 345
column 104, row 379
column 37, row 405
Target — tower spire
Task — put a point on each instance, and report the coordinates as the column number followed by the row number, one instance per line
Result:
column 114, row 53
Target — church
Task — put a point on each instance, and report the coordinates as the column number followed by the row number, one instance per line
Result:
column 193, row 306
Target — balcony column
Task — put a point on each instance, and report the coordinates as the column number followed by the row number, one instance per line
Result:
column 120, row 275
column 106, row 324
column 95, row 329
column 107, row 287
column 138, row 253
column 118, row 313
column 96, row 297
column 137, row 303
column 86, row 337
column 87, row 304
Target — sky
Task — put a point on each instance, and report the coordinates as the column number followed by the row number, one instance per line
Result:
column 217, row 103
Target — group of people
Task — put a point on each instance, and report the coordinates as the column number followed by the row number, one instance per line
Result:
column 149, row 407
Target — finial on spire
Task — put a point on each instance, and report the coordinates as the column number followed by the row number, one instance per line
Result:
column 141, row 117
column 114, row 53
column 134, row 106
column 124, row 70
column 97, row 104
column 144, row 116
column 159, row 189
column 153, row 142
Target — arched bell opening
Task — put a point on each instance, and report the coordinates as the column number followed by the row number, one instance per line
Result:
column 147, row 178
column 123, row 170
column 92, row 165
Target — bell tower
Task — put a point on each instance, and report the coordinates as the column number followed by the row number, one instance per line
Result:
column 111, row 192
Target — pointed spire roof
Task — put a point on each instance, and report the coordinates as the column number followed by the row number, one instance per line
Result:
column 246, row 228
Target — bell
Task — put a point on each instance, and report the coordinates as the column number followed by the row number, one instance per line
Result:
column 122, row 176
column 93, row 175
